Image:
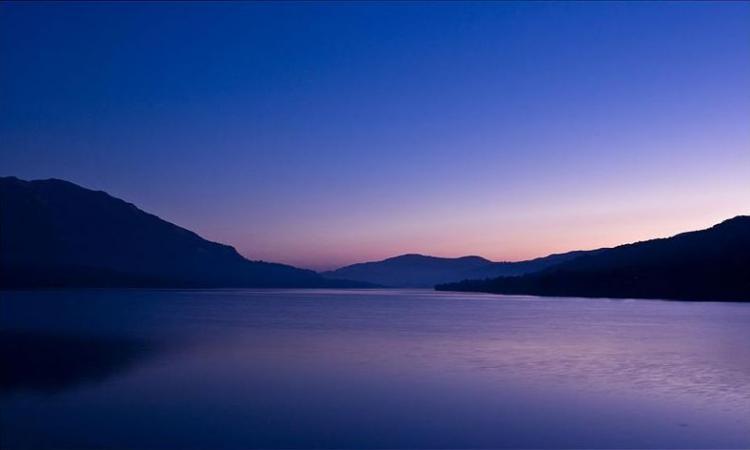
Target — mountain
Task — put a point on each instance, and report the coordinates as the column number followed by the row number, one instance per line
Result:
column 55, row 233
column 711, row 264
column 426, row 271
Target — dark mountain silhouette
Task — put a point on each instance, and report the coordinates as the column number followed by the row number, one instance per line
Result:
column 711, row 264
column 426, row 271
column 55, row 233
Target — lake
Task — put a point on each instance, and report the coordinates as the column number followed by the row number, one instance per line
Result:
column 369, row 369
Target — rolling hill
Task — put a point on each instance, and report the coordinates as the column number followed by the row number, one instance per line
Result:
column 710, row 264
column 420, row 271
column 54, row 233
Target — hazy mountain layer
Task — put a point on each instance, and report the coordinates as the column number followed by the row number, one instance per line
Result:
column 427, row 271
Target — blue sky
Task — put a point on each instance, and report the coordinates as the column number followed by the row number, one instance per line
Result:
column 331, row 133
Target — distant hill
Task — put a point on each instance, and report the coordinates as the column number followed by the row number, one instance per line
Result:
column 418, row 271
column 55, row 233
column 711, row 264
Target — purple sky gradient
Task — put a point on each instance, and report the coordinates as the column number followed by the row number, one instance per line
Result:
column 327, row 135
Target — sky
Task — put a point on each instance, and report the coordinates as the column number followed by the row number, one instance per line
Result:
column 324, row 134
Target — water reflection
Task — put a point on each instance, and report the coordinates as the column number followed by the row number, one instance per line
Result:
column 50, row 362
column 370, row 369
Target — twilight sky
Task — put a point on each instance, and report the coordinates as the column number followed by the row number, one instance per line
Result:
column 326, row 134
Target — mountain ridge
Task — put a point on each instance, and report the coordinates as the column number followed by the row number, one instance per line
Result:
column 57, row 233
column 708, row 264
column 415, row 270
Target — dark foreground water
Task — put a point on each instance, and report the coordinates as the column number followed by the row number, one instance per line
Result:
column 369, row 369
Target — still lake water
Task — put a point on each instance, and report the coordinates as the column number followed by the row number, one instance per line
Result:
column 369, row 369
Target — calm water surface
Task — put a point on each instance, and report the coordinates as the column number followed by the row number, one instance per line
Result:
column 369, row 369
